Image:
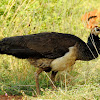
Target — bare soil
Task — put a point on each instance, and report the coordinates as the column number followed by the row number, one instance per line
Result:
column 3, row 97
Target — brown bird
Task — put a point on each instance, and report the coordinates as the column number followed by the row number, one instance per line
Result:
column 51, row 51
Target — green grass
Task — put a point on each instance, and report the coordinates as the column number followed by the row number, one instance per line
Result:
column 21, row 17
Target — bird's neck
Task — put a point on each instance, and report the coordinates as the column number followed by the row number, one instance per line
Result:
column 92, row 44
column 90, row 50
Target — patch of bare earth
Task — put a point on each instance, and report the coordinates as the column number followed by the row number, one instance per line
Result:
column 3, row 97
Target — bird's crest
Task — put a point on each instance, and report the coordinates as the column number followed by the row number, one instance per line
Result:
column 92, row 19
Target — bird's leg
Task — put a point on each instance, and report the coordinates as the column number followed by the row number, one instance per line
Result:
column 68, row 79
column 53, row 74
column 37, row 80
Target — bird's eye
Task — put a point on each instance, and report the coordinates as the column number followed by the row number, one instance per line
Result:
column 97, row 29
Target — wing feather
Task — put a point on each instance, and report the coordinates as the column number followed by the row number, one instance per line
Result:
column 43, row 45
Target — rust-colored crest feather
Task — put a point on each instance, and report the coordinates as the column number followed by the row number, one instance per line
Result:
column 92, row 18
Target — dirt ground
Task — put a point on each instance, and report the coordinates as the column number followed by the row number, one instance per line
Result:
column 3, row 97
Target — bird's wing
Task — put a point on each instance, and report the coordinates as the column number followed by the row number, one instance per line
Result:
column 42, row 45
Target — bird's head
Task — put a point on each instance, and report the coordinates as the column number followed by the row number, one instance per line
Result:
column 95, row 30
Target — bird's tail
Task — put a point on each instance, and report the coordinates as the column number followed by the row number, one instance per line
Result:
column 10, row 46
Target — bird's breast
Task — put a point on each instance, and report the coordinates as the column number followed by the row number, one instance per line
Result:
column 65, row 62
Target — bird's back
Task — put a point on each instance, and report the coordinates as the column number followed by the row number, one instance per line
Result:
column 43, row 45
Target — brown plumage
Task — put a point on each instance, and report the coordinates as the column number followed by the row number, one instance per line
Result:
column 52, row 51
